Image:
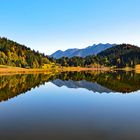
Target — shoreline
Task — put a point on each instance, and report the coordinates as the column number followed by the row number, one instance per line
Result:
column 17, row 70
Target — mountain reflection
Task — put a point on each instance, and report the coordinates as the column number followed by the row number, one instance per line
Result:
column 116, row 81
column 101, row 82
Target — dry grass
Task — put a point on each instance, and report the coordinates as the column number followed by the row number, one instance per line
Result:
column 137, row 69
column 16, row 70
column 83, row 69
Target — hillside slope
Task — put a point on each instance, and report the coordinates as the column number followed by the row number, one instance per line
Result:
column 14, row 54
column 121, row 55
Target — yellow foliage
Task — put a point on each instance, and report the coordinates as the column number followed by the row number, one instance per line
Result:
column 49, row 66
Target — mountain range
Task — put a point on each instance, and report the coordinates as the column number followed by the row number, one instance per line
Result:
column 91, row 50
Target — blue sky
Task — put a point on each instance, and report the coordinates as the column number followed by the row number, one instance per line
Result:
column 49, row 25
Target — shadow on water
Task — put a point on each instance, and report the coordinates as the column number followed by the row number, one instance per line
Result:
column 101, row 82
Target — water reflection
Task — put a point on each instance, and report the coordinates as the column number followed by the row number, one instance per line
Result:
column 13, row 85
column 101, row 82
column 54, row 113
column 115, row 81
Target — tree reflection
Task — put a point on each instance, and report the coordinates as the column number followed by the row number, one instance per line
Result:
column 116, row 81
column 13, row 85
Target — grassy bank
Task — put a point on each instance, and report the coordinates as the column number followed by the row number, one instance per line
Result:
column 8, row 69
column 84, row 69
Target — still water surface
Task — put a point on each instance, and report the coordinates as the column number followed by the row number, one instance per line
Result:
column 70, row 106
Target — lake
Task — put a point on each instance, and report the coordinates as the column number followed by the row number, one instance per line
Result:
column 70, row 106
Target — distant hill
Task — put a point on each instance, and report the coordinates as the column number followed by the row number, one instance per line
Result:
column 91, row 50
column 122, row 55
column 15, row 54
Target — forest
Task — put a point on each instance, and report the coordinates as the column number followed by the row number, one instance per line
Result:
column 119, row 56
